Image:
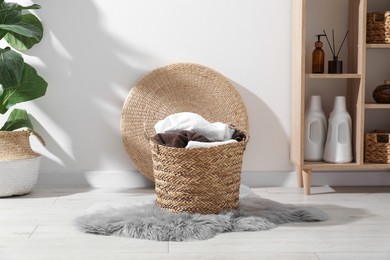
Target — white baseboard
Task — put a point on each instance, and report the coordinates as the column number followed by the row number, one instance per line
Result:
column 133, row 179
column 93, row 179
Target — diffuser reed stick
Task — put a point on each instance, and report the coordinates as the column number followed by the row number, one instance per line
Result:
column 330, row 46
column 345, row 37
column 333, row 50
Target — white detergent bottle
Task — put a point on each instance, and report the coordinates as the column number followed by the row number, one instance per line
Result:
column 315, row 131
column 338, row 147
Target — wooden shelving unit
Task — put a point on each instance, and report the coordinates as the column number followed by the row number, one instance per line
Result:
column 354, row 78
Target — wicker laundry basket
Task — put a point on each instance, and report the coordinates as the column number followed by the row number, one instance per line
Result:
column 180, row 87
column 19, row 164
column 198, row 180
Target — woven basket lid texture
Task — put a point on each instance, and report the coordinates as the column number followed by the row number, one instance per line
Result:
column 182, row 87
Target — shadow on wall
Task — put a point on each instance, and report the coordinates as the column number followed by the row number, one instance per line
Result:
column 88, row 83
column 268, row 148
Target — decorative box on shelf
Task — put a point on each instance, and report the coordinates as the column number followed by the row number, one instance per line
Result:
column 377, row 147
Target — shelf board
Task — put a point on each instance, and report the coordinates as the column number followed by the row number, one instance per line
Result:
column 376, row 106
column 376, row 166
column 333, row 76
column 345, row 166
column 325, row 165
column 377, row 46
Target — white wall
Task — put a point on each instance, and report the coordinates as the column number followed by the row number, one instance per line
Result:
column 94, row 51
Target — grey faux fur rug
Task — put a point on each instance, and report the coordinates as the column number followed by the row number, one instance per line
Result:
column 147, row 221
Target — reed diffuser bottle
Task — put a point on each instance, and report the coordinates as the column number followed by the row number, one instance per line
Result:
column 318, row 56
column 335, row 66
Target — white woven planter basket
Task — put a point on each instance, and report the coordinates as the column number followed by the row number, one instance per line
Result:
column 18, row 177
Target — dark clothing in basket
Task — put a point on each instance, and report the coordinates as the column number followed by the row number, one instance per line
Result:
column 179, row 139
column 238, row 135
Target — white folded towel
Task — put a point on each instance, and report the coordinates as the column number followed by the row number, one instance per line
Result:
column 193, row 122
column 196, row 144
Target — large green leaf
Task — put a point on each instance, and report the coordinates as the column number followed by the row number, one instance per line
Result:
column 10, row 17
column 3, row 109
column 31, row 86
column 6, row 7
column 2, row 33
column 23, row 42
column 17, row 119
column 11, row 67
column 10, row 14
column 23, row 28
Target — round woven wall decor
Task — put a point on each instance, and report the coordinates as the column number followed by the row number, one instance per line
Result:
column 182, row 87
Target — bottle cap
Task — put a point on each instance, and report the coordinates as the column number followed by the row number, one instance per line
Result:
column 315, row 103
column 318, row 44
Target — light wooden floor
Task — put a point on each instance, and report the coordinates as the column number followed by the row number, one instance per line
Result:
column 39, row 226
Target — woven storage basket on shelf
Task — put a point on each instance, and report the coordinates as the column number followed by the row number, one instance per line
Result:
column 181, row 87
column 377, row 147
column 199, row 180
column 378, row 27
column 19, row 164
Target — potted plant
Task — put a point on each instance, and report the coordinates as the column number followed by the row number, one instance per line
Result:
column 19, row 82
